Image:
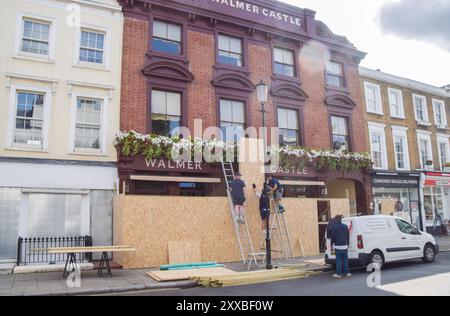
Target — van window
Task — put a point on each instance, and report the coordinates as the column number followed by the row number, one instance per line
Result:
column 405, row 227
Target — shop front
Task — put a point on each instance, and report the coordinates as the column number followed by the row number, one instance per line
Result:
column 436, row 201
column 398, row 194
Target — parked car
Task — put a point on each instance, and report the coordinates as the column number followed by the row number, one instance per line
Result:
column 382, row 239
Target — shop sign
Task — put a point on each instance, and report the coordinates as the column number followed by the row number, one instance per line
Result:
column 139, row 163
column 395, row 182
column 281, row 171
column 251, row 11
column 437, row 183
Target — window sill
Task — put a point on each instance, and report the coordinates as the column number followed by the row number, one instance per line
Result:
column 96, row 154
column 181, row 58
column 286, row 78
column 423, row 123
column 35, row 58
column 91, row 66
column 337, row 89
column 27, row 150
column 398, row 117
column 375, row 113
column 441, row 127
column 233, row 68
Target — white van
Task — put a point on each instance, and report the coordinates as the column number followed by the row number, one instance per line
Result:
column 381, row 239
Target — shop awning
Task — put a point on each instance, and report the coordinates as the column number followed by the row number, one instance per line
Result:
column 176, row 179
column 302, row 183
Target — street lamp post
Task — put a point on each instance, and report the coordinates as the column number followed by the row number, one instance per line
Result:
column 263, row 91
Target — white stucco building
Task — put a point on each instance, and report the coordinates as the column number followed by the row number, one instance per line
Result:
column 60, row 72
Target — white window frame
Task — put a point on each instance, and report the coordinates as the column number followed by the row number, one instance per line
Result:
column 425, row 135
column 377, row 128
column 425, row 122
column 19, row 36
column 106, row 47
column 401, row 131
column 103, row 124
column 444, row 123
column 400, row 106
column 441, row 138
column 12, row 117
column 377, row 87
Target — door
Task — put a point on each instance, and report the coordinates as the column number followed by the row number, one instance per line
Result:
column 409, row 246
column 9, row 223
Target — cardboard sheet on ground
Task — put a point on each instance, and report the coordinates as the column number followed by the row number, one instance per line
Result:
column 184, row 251
column 179, row 275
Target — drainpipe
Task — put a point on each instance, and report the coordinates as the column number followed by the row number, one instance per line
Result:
column 421, row 199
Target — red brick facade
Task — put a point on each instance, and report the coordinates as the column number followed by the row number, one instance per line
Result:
column 196, row 74
column 134, row 109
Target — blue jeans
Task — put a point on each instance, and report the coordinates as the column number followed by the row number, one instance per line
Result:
column 342, row 262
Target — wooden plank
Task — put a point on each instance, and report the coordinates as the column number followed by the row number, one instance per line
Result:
column 91, row 250
column 184, row 251
column 76, row 248
column 178, row 275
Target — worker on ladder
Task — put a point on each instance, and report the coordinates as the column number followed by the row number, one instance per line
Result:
column 277, row 191
column 264, row 207
column 238, row 196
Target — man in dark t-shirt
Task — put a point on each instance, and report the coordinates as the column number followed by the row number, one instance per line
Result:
column 238, row 196
column 277, row 190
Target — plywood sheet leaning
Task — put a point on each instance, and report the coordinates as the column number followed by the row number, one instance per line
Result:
column 387, row 207
column 179, row 275
column 184, row 251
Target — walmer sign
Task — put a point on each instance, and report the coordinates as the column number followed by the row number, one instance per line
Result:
column 251, row 12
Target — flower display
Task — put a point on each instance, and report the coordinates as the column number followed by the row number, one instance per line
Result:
column 212, row 150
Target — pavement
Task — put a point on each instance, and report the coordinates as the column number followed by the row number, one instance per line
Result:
column 52, row 283
column 443, row 242
column 136, row 280
column 408, row 278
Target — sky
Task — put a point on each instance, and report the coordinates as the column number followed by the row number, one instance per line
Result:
column 407, row 38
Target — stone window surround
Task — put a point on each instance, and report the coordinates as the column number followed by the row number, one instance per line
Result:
column 401, row 103
column 380, row 129
column 401, row 131
column 19, row 35
column 424, row 135
column 442, row 138
column 377, row 87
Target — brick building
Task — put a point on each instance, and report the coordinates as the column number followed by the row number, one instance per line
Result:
column 408, row 133
column 186, row 60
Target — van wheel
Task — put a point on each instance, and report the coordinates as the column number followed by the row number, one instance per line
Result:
column 429, row 254
column 376, row 258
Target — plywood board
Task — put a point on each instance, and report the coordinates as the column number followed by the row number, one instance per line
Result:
column 387, row 206
column 178, row 275
column 184, row 251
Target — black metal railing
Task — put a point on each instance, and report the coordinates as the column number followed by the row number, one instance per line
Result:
column 25, row 255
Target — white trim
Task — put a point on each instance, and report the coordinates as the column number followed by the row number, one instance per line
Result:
column 401, row 131
column 9, row 76
column 426, row 121
column 103, row 123
column 377, row 128
column 12, row 115
column 377, row 87
column 443, row 139
column 425, row 135
column 19, row 36
column 106, row 47
column 403, row 82
column 70, row 85
column 401, row 105
column 444, row 113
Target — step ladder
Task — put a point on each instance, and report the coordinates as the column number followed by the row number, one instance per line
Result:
column 278, row 229
column 242, row 232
